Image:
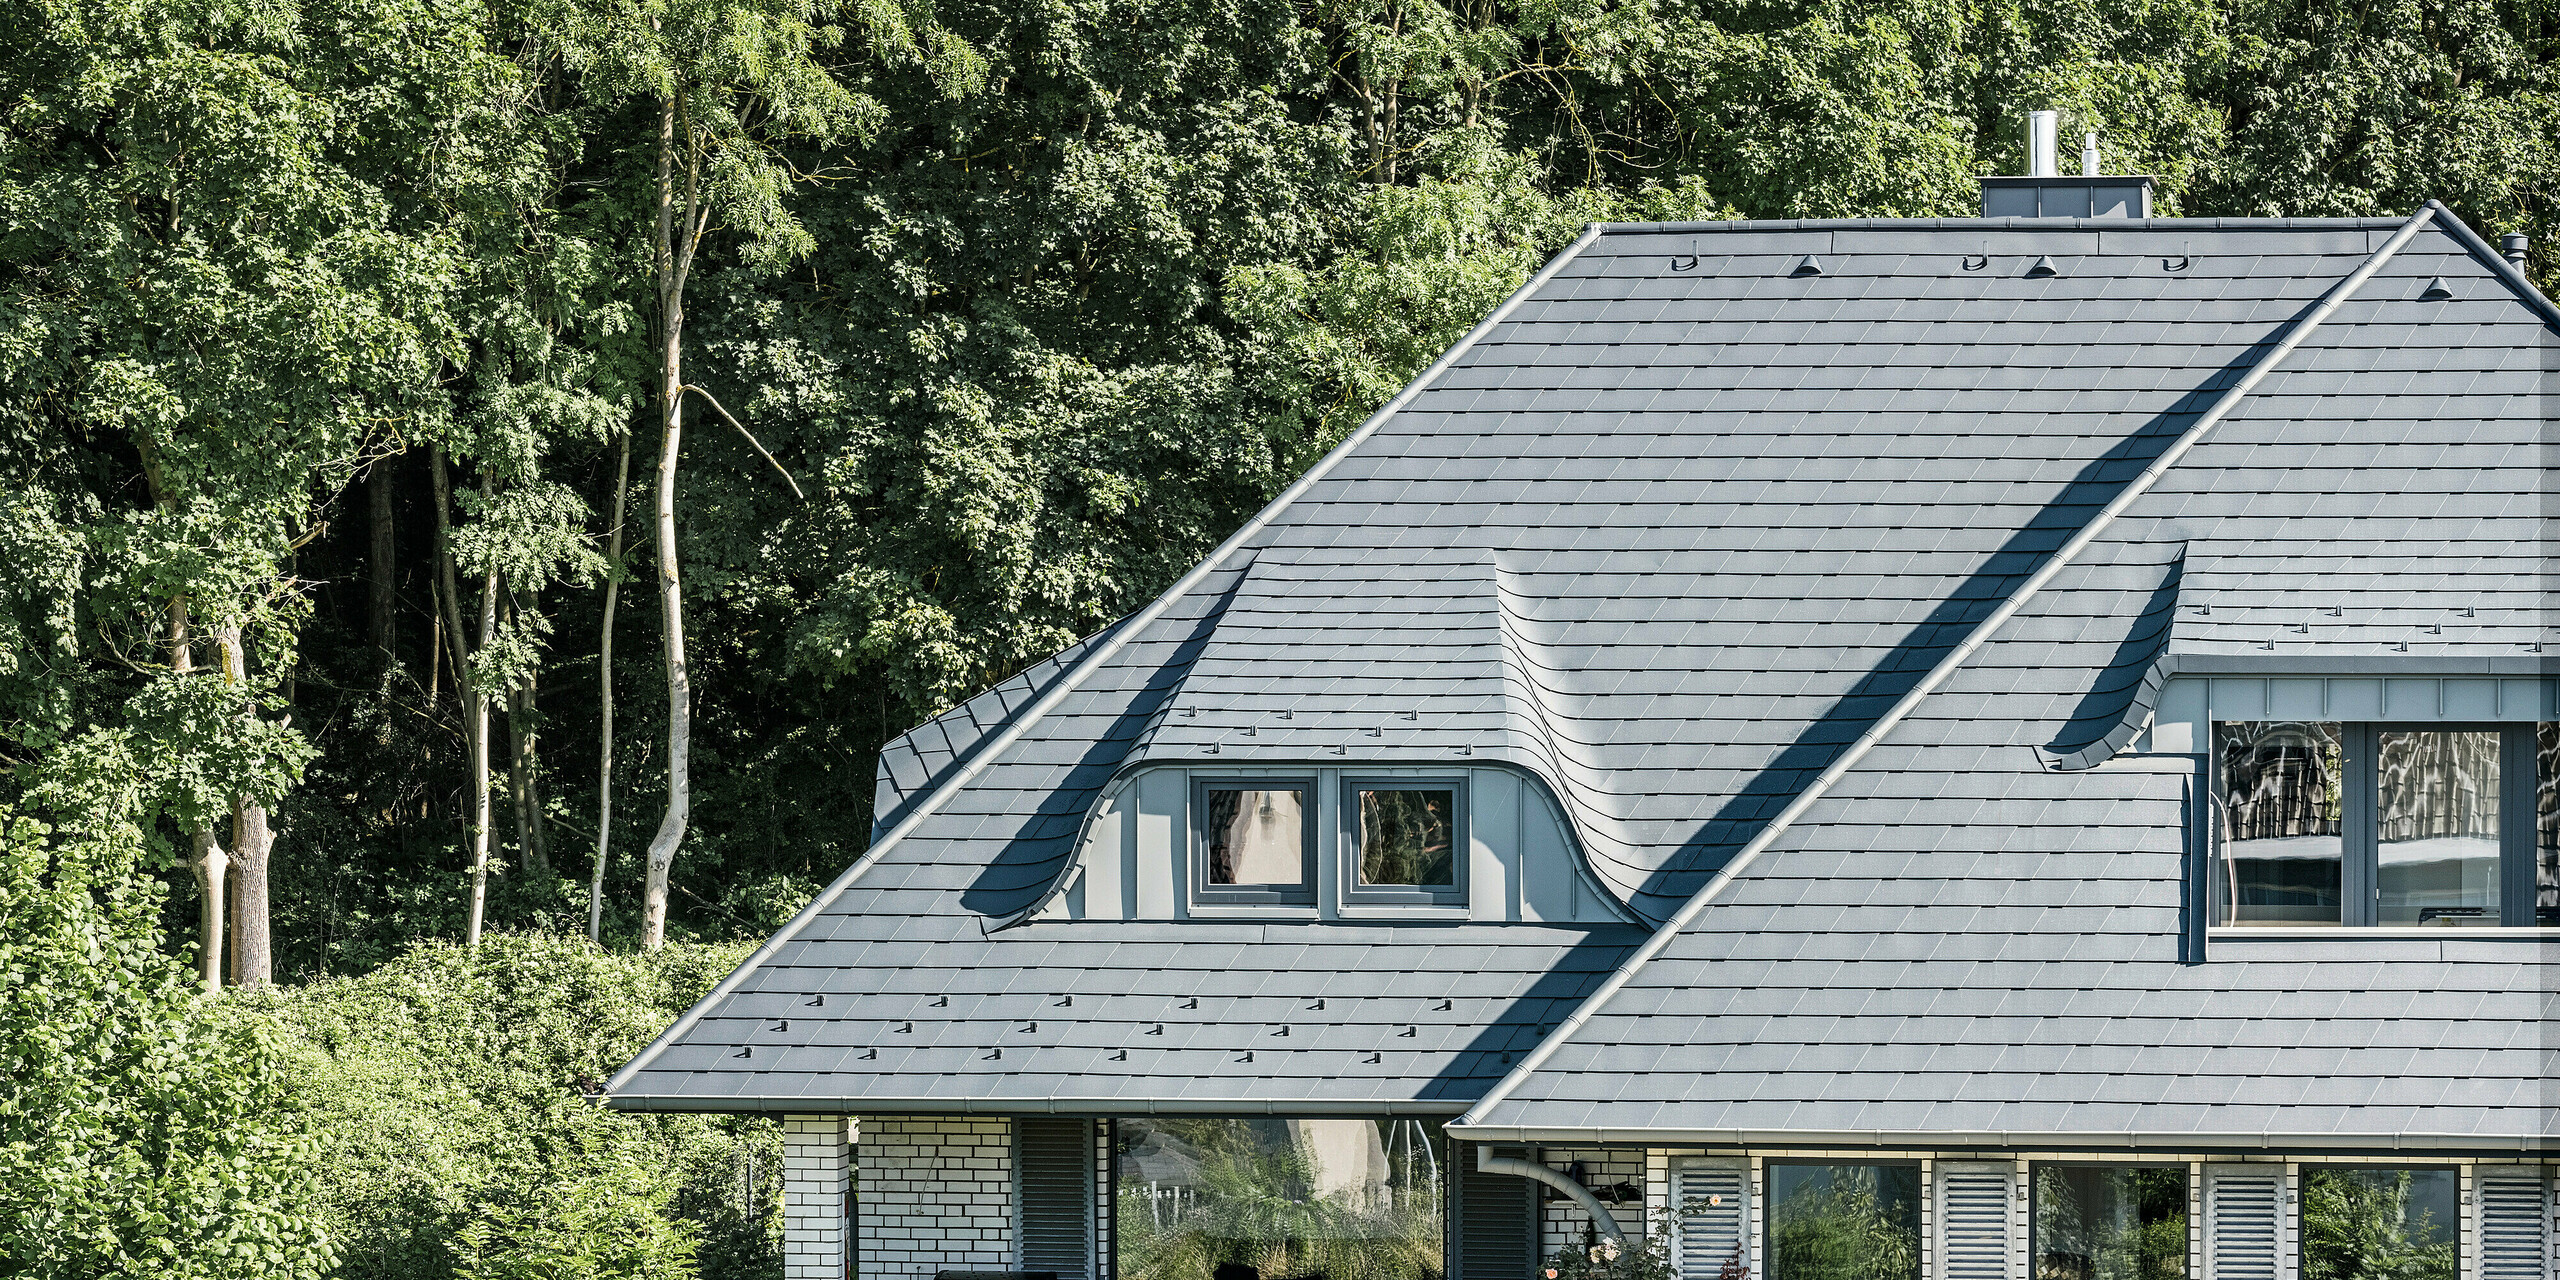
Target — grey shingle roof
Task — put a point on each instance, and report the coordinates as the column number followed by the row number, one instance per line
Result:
column 1669, row 538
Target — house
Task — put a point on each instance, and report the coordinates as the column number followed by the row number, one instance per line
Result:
column 2016, row 748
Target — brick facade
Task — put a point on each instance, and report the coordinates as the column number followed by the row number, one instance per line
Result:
column 934, row 1194
column 817, row 1172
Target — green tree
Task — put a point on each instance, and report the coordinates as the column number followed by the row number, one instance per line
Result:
column 142, row 1134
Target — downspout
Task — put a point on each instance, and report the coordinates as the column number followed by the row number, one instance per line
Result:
column 1488, row 1162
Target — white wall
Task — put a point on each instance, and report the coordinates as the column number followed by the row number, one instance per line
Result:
column 934, row 1193
column 817, row 1169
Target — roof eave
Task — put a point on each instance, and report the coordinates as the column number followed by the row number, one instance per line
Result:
column 2090, row 1141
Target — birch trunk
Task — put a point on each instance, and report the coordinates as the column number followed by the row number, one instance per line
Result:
column 207, row 861
column 475, row 704
column 252, row 841
column 673, row 260
column 604, row 685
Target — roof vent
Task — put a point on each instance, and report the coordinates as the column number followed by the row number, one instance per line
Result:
column 2436, row 289
column 2045, row 193
column 1807, row 265
column 2044, row 267
column 2513, row 245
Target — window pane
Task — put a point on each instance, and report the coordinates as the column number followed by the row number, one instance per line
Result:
column 2437, row 823
column 1345, row 1198
column 2379, row 1224
column 1257, row 837
column 2546, row 823
column 2282, row 832
column 1844, row 1222
column 2110, row 1223
column 1406, row 837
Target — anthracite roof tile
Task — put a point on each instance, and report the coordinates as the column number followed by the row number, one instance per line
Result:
column 1669, row 540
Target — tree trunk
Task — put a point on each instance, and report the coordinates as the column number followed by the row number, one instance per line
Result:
column 206, row 859
column 378, row 612
column 604, row 686
column 520, row 780
column 674, row 258
column 252, row 944
column 475, row 703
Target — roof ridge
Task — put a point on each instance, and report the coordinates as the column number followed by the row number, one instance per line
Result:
column 1096, row 657
column 1947, row 666
column 2003, row 224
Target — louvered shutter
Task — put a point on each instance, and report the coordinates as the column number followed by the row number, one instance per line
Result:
column 1712, row 1235
column 1493, row 1221
column 2514, row 1225
column 2243, row 1221
column 1973, row 1220
column 1053, row 1174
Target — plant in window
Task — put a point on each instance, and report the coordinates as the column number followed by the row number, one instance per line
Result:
column 2360, row 1224
column 1255, row 1194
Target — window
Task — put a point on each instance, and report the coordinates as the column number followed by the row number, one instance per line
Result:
column 2110, row 1222
column 2367, row 1223
column 1255, row 842
column 1343, row 1198
column 2435, row 825
column 1844, row 1222
column 1406, row 841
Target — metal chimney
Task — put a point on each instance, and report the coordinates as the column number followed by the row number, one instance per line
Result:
column 2040, row 141
column 2513, row 245
column 2089, row 155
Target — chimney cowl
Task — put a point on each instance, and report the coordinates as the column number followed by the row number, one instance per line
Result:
column 2513, row 245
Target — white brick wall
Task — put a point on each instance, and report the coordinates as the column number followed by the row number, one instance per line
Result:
column 817, row 1166
column 1561, row 1221
column 935, row 1194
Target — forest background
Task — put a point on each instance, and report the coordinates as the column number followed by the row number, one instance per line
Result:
column 344, row 342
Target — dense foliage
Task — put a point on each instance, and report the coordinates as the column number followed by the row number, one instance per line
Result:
column 330, row 334
column 446, row 1094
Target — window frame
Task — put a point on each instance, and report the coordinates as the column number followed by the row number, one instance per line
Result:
column 2360, row 845
column 1302, row 894
column 1461, row 844
column 2189, row 1205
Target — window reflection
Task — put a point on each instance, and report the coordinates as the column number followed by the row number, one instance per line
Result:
column 2283, row 844
column 1286, row 1198
column 1407, row 838
column 1844, row 1222
column 2546, row 823
column 1256, row 837
column 2365, row 1223
column 2436, row 823
column 2110, row 1223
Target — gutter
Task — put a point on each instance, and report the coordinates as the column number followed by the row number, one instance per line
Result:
column 1099, row 655
column 1947, row 666
column 2040, row 1140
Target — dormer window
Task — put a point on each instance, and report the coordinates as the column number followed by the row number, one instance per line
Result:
column 1404, row 841
column 2380, row 824
column 1255, row 841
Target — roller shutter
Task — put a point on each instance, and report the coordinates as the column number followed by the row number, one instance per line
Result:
column 1493, row 1220
column 1053, row 1175
column 1708, row 1197
column 2515, row 1218
column 1973, row 1220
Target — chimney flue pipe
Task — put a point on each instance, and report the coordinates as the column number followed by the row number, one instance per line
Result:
column 2513, row 246
column 2089, row 155
column 2041, row 126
